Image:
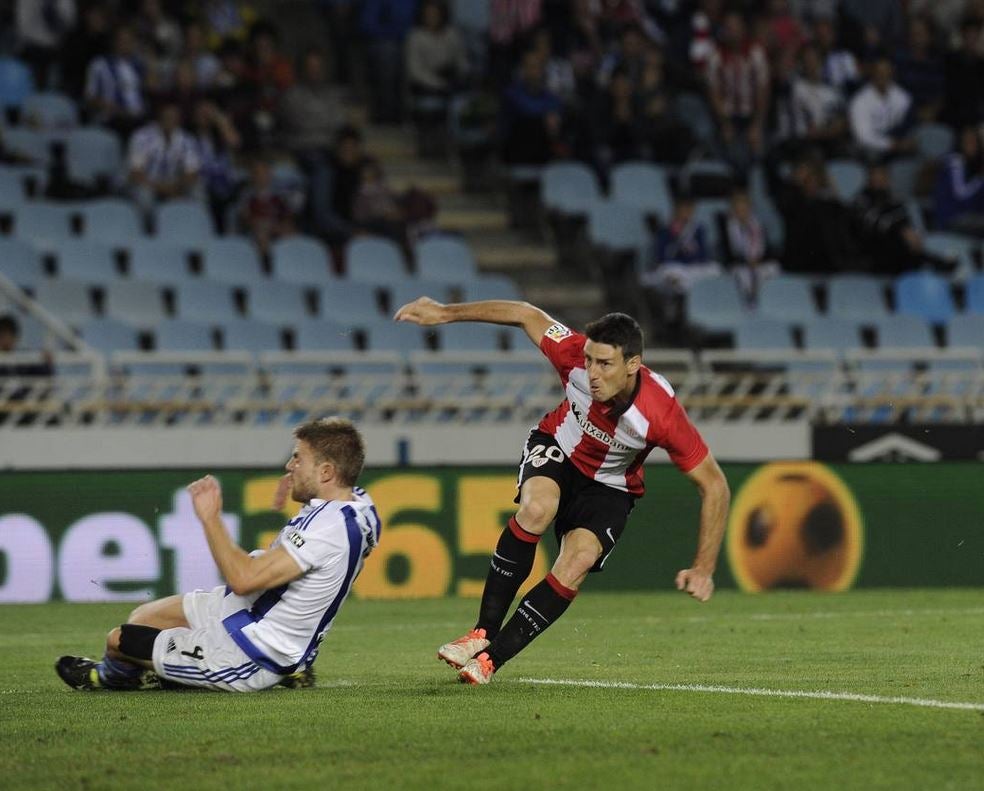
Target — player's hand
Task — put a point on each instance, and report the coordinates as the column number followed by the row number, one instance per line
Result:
column 206, row 497
column 283, row 490
column 423, row 310
column 696, row 583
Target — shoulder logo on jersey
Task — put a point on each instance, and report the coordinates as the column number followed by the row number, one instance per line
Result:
column 557, row 332
column 295, row 538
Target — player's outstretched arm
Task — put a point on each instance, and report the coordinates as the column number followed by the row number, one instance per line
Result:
column 427, row 312
column 698, row 580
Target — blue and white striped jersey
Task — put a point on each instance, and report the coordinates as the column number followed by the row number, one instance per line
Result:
column 281, row 629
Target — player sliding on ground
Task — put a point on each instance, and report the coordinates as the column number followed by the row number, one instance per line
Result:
column 265, row 626
column 582, row 466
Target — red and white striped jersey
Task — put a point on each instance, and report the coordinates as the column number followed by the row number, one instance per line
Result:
column 609, row 444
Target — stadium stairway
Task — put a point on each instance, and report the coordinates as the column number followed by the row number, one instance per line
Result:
column 482, row 220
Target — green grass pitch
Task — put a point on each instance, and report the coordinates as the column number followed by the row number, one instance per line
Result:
column 386, row 714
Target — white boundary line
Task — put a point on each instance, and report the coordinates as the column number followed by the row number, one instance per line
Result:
column 768, row 693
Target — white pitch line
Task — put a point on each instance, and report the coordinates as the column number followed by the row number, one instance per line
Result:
column 767, row 693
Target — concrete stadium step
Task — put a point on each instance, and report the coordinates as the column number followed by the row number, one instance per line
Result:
column 471, row 220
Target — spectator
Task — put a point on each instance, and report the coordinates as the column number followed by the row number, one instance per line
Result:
column 163, row 161
column 840, row 68
column 216, row 140
column 183, row 89
column 818, row 117
column 509, row 23
column 628, row 57
column 584, row 46
column 558, row 72
column 873, row 25
column 83, row 44
column 436, row 60
column 206, row 65
column 41, row 27
column 746, row 248
column 920, row 69
column 959, row 195
column 268, row 74
column 265, row 213
column 681, row 255
column 618, row 125
column 666, row 138
column 885, row 233
column 347, row 169
column 311, row 115
column 114, row 89
column 738, row 80
column 377, row 207
column 159, row 39
column 532, row 118
column 385, row 24
column 783, row 31
column 963, row 71
column 881, row 115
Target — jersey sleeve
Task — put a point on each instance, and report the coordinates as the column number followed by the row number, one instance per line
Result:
column 563, row 347
column 680, row 438
column 322, row 542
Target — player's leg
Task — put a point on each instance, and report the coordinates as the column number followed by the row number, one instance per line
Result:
column 166, row 613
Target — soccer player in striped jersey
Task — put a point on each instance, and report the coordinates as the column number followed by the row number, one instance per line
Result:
column 581, row 469
column 265, row 626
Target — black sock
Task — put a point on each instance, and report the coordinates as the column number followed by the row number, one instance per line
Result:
column 543, row 605
column 510, row 566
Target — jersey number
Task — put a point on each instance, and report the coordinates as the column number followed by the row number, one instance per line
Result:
column 541, row 454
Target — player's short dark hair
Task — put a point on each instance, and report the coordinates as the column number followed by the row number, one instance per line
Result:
column 617, row 329
column 336, row 440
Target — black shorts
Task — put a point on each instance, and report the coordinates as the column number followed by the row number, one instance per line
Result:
column 583, row 502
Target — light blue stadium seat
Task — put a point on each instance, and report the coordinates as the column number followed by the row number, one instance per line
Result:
column 33, row 335
column 832, row 334
column 347, row 302
column 467, row 337
column 185, row 221
column 617, row 227
column 847, row 178
column 301, row 259
column 154, row 261
column 788, row 298
column 446, row 259
column 50, row 110
column 408, row 290
column 395, row 337
column 764, row 207
column 569, row 188
column 277, row 303
column 44, row 224
column 32, row 144
column 470, row 15
column 67, row 299
column 763, row 334
column 975, row 294
column 109, row 335
column 137, row 303
column 92, row 152
column 491, row 287
column 692, row 109
column 643, row 186
column 205, row 300
column 952, row 246
column 899, row 331
column 715, row 304
column 372, row 259
column 966, row 329
column 903, row 177
column 855, row 298
column 933, row 140
column 251, row 335
column 233, row 259
column 88, row 262
column 21, row 263
column 112, row 221
column 517, row 340
column 925, row 295
column 19, row 182
column 313, row 335
column 181, row 335
column 16, row 82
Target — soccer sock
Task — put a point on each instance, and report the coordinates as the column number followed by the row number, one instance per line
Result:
column 510, row 565
column 543, row 605
column 117, row 672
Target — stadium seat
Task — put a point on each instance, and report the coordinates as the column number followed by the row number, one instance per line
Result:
column 925, row 295
column 445, row 259
column 13, row 194
column 67, row 299
column 831, row 334
column 43, row 224
column 900, row 331
column 694, row 111
column 205, row 300
column 86, row 261
column 393, row 337
column 952, row 246
column 347, row 302
column 109, row 335
column 112, row 221
column 181, row 335
column 154, row 261
column 715, row 305
column 300, row 259
column 764, row 207
column 20, row 182
column 21, row 263
column 250, row 335
column 92, row 153
column 903, row 177
column 33, row 335
column 16, row 83
column 966, row 329
column 788, row 298
column 974, row 294
column 233, row 259
column 319, row 335
column 847, row 177
column 933, row 140
column 373, row 259
column 467, row 337
column 277, row 303
column 185, row 221
column 569, row 188
column 643, row 186
column 31, row 144
column 617, row 227
column 491, row 287
column 134, row 302
column 408, row 290
column 855, row 298
column 709, row 212
column 517, row 339
column 763, row 334
column 50, row 110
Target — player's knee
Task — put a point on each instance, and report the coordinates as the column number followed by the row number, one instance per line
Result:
column 584, row 559
column 535, row 515
column 113, row 640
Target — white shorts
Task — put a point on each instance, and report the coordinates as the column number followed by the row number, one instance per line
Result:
column 204, row 655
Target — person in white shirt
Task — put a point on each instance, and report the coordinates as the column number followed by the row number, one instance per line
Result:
column 879, row 115
column 114, row 85
column 818, row 109
column 164, row 161
column 265, row 626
